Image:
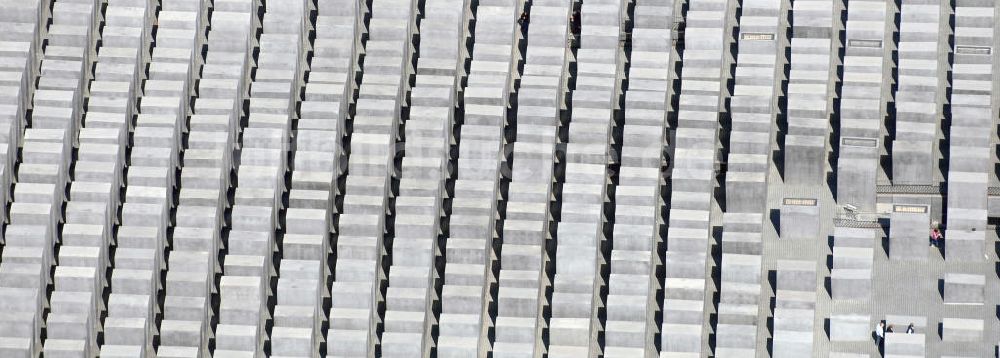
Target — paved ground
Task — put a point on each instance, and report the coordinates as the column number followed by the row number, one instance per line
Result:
column 898, row 287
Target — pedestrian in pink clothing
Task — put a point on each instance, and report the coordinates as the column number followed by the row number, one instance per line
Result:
column 936, row 237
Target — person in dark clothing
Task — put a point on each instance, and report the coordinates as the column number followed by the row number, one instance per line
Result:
column 574, row 24
column 523, row 23
column 909, row 329
column 879, row 334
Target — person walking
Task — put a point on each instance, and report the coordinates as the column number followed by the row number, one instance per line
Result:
column 879, row 334
column 523, row 22
column 909, row 329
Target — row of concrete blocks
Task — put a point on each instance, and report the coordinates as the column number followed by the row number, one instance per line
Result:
column 244, row 289
column 335, row 48
column 868, row 23
column 369, row 171
column 468, row 272
column 809, row 84
column 968, row 171
column 660, row 15
column 971, row 87
column 967, row 209
column 865, row 62
column 707, row 38
column 795, row 306
column 298, row 315
column 20, row 57
column 688, row 235
column 686, row 254
column 21, row 42
column 918, row 98
column 697, row 133
column 131, row 305
column 858, row 328
column 863, row 106
column 190, row 281
column 239, row 322
column 754, row 106
column 305, row 248
column 101, row 145
column 579, row 260
column 57, row 105
column 424, row 170
column 739, row 292
column 386, row 65
column 527, row 225
column 853, row 252
column 601, row 25
column 972, row 21
column 628, row 331
column 31, row 236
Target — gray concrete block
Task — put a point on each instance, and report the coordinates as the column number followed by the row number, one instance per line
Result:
column 964, row 288
column 909, row 230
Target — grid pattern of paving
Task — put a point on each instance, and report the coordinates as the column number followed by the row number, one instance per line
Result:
column 498, row 178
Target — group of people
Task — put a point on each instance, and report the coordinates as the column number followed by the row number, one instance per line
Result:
column 574, row 22
column 881, row 329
